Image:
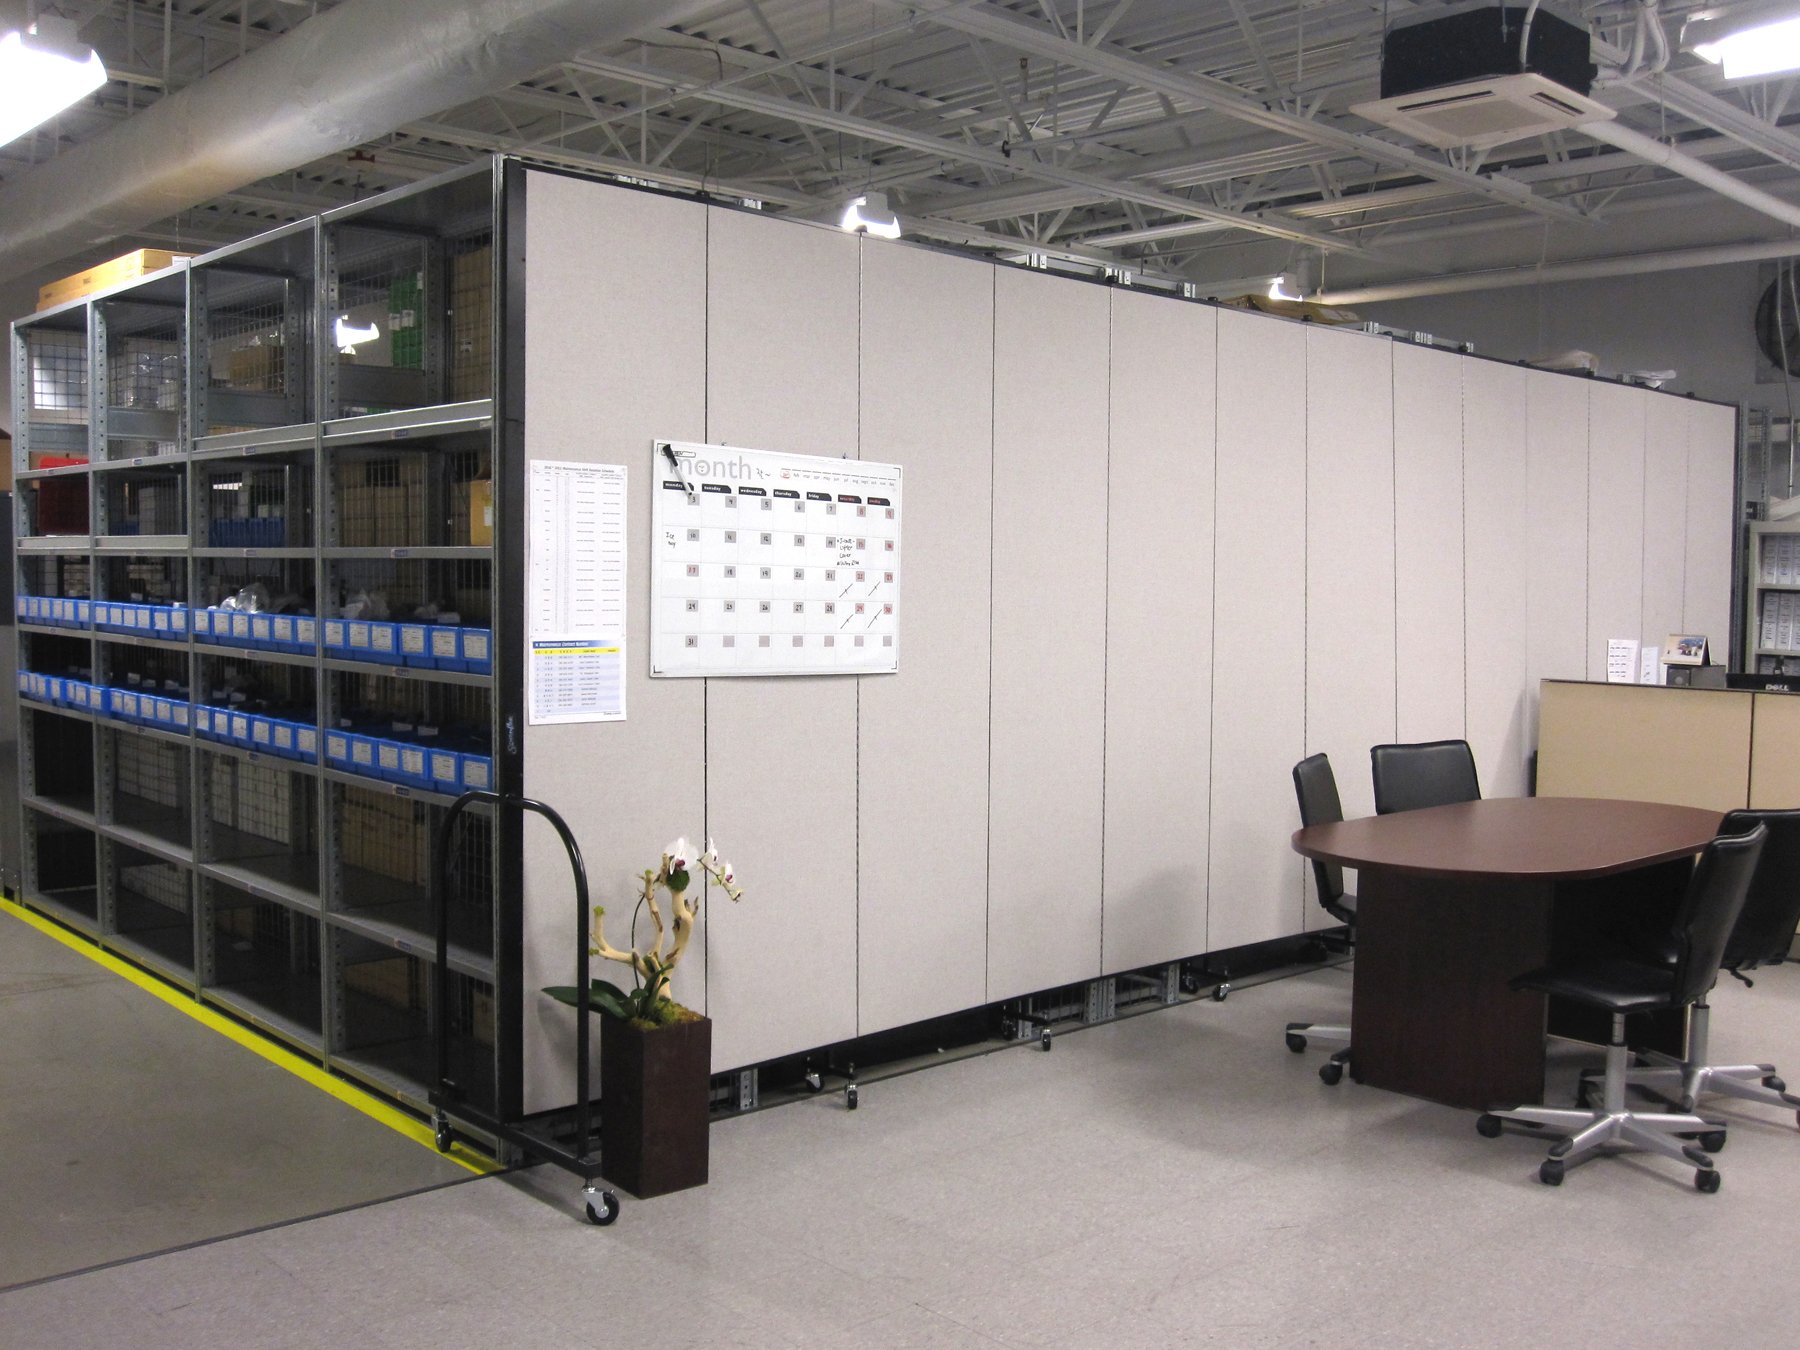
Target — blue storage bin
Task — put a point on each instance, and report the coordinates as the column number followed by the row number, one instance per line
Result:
column 445, row 645
column 477, row 772
column 477, row 650
column 159, row 621
column 121, row 704
column 180, row 711
column 200, row 621
column 201, row 716
column 281, row 737
column 363, row 755
column 262, row 630
column 178, row 622
column 53, row 689
column 387, row 759
column 306, row 743
column 238, row 729
column 384, row 643
column 445, row 770
column 414, row 640
column 281, row 633
column 306, row 634
column 262, row 732
column 238, row 627
column 337, row 750
column 84, row 612
column 415, row 765
column 337, row 639
column 356, row 640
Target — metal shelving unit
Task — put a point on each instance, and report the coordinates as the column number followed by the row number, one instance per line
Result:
column 225, row 430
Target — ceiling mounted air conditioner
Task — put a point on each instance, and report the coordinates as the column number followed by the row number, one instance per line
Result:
column 1484, row 112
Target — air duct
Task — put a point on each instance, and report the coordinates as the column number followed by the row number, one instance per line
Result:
column 337, row 81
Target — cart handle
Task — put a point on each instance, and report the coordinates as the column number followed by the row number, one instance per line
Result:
column 441, row 908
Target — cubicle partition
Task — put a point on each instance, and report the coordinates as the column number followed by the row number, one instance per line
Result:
column 1155, row 552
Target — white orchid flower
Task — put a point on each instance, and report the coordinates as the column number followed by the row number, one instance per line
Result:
column 675, row 855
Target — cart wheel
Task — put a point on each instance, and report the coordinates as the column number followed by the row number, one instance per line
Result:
column 1706, row 1179
column 850, row 1097
column 1296, row 1043
column 1220, row 991
column 608, row 1206
column 1551, row 1172
column 1190, row 982
column 814, row 1083
column 1331, row 1073
column 441, row 1134
column 1487, row 1125
column 1713, row 1141
column 1044, row 1040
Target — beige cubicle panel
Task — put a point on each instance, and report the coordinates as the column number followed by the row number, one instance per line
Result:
column 1687, row 747
column 1774, row 767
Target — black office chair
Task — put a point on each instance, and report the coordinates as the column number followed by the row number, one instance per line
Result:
column 1316, row 787
column 1709, row 911
column 1761, row 937
column 1426, row 773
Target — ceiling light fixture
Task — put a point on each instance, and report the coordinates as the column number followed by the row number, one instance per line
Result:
column 347, row 336
column 1747, row 47
column 43, row 70
column 870, row 214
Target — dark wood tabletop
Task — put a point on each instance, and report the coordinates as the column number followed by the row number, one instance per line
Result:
column 1544, row 837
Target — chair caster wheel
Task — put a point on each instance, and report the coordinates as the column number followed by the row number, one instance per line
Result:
column 1331, row 1073
column 1551, row 1172
column 1221, row 990
column 441, row 1134
column 1487, row 1126
column 850, row 1097
column 608, row 1207
column 1706, row 1179
column 814, row 1083
column 1774, row 1082
column 1044, row 1041
column 1296, row 1043
column 1713, row 1141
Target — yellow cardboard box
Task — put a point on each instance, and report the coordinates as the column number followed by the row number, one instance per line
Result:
column 128, row 267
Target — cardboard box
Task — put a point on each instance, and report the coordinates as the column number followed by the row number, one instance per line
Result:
column 261, row 367
column 475, row 513
column 472, row 325
column 128, row 267
column 395, row 982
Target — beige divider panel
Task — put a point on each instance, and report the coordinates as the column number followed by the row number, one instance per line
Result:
column 1428, row 549
column 1350, row 661
column 1775, row 753
column 626, row 788
column 1496, row 560
column 1665, row 515
column 1688, row 747
column 1158, row 630
column 1556, row 514
column 1712, row 522
column 927, row 405
column 781, row 753
column 1049, row 627
column 1615, row 519
column 1259, row 630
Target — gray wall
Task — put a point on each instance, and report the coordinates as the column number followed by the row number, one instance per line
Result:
column 1154, row 553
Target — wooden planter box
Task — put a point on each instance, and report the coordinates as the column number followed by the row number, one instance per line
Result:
column 653, row 1105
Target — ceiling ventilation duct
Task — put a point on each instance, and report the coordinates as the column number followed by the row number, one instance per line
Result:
column 1483, row 77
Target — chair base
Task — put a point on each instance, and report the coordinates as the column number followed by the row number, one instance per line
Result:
column 1331, row 1072
column 1586, row 1134
column 1685, row 1082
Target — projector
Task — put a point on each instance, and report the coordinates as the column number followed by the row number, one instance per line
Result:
column 1457, row 80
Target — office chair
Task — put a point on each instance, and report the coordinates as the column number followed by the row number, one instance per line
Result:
column 1316, row 787
column 1427, row 773
column 1761, row 937
column 1709, row 911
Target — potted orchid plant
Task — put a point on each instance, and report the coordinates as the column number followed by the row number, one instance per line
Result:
column 655, row 1054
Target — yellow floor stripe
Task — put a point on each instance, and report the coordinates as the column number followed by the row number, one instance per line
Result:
column 278, row 1055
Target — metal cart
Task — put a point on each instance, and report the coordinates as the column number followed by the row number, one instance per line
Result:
column 448, row 1105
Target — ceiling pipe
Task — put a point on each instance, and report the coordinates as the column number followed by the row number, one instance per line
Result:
column 337, row 81
column 1653, row 151
column 1591, row 269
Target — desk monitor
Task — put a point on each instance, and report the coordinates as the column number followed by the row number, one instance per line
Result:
column 1768, row 684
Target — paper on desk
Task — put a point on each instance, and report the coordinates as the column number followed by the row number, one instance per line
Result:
column 1650, row 665
column 1621, row 661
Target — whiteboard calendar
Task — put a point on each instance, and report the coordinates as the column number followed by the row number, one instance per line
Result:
column 765, row 563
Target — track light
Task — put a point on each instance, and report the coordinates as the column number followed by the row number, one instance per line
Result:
column 870, row 214
column 43, row 70
column 1767, row 43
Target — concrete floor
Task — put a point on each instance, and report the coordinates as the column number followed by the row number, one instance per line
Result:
column 1172, row 1179
column 127, row 1127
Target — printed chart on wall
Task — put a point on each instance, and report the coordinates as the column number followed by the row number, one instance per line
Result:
column 773, row 564
column 575, row 538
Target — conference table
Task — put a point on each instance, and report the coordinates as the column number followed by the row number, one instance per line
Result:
column 1453, row 901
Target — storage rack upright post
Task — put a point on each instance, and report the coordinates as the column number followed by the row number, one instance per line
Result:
column 213, row 430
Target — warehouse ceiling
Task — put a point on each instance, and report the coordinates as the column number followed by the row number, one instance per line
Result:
column 1205, row 140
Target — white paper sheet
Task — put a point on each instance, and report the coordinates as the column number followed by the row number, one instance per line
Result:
column 575, row 539
column 1621, row 661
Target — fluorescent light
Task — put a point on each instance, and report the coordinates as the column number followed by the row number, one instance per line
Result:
column 1276, row 291
column 43, row 71
column 1767, row 48
column 347, row 337
column 870, row 214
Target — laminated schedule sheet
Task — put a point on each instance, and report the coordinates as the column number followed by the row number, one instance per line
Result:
column 766, row 563
column 575, row 540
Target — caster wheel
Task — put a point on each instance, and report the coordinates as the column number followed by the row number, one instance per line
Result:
column 1774, row 1082
column 1487, row 1126
column 1044, row 1041
column 1190, row 983
column 850, row 1097
column 1331, row 1073
column 1313, row 952
column 1009, row 1030
column 1551, row 1172
column 814, row 1083
column 1706, row 1179
column 608, row 1208
column 1220, row 991
column 1713, row 1141
column 442, row 1136
column 1687, row 1105
column 1296, row 1043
